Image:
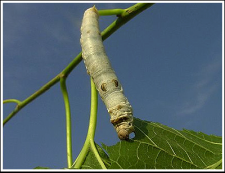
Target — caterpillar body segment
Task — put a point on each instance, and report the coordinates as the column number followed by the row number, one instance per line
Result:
column 99, row 68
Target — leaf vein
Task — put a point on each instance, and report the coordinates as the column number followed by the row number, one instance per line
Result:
column 146, row 135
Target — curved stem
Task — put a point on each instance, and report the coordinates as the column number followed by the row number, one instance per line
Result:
column 93, row 123
column 91, row 129
column 94, row 109
column 31, row 98
column 68, row 121
column 98, row 157
column 11, row 101
column 14, row 111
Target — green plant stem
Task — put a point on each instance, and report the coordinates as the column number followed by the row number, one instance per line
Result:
column 11, row 100
column 31, row 98
column 110, row 12
column 124, row 17
column 68, row 121
column 89, row 142
column 98, row 157
column 93, row 111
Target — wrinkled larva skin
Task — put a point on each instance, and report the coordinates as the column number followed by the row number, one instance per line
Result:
column 99, row 68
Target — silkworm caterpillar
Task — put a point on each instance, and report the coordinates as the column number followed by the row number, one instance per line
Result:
column 99, row 68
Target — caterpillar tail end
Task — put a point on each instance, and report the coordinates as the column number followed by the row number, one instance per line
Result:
column 95, row 9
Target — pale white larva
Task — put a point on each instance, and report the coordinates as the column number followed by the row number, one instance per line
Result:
column 99, row 68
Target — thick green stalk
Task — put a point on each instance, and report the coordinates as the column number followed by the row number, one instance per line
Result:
column 68, row 121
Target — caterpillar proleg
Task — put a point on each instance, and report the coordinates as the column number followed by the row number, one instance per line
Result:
column 99, row 68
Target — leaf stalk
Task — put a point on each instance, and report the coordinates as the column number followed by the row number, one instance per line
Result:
column 68, row 121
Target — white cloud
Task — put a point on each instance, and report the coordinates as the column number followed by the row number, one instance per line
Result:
column 206, row 85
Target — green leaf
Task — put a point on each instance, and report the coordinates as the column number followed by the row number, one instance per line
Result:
column 157, row 146
column 40, row 167
column 92, row 163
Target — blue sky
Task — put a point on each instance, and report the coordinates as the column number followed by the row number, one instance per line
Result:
column 168, row 59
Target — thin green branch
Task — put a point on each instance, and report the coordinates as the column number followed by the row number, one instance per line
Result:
column 89, row 142
column 93, row 110
column 110, row 12
column 68, row 121
column 127, row 14
column 11, row 101
column 32, row 97
column 98, row 157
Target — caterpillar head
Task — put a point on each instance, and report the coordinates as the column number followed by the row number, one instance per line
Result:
column 124, row 130
column 123, row 134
